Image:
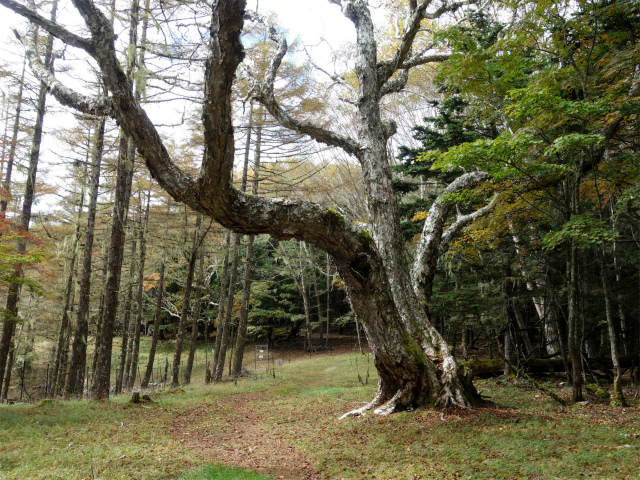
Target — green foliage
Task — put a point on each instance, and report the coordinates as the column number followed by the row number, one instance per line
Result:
column 584, row 230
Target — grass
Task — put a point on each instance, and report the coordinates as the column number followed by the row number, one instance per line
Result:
column 525, row 436
column 220, row 472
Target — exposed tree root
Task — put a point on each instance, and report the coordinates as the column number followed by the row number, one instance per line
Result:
column 455, row 390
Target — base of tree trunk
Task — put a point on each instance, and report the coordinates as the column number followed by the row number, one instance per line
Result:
column 617, row 397
column 440, row 386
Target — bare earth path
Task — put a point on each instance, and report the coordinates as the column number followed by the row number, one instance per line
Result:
column 242, row 440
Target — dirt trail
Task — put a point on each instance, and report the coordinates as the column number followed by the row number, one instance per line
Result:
column 244, row 441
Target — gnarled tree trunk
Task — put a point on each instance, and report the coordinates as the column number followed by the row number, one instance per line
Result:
column 415, row 366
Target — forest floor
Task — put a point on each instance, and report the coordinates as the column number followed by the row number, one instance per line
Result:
column 288, row 427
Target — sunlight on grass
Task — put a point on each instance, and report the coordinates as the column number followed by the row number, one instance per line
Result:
column 219, row 472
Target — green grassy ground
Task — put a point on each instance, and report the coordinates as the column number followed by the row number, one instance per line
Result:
column 524, row 436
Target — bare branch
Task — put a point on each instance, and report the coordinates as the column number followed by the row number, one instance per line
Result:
column 65, row 95
column 53, row 28
column 265, row 94
column 387, row 68
column 333, row 76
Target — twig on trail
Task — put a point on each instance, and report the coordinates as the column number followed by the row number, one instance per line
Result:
column 286, row 421
column 535, row 384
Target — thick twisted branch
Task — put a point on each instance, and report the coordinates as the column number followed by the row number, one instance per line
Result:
column 433, row 243
column 462, row 221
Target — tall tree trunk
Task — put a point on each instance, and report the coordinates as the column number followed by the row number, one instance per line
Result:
column 314, row 281
column 224, row 282
column 13, row 293
column 7, row 376
column 62, row 353
column 156, row 328
column 144, row 221
column 522, row 327
column 101, row 305
column 104, row 344
column 186, row 301
column 327, row 339
column 626, row 336
column 122, row 379
column 241, row 337
column 195, row 316
column 573, row 321
column 79, row 350
column 299, row 280
column 304, row 292
column 221, row 352
column 617, row 397
column 124, row 178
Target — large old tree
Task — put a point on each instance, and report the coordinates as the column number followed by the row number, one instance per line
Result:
column 387, row 294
